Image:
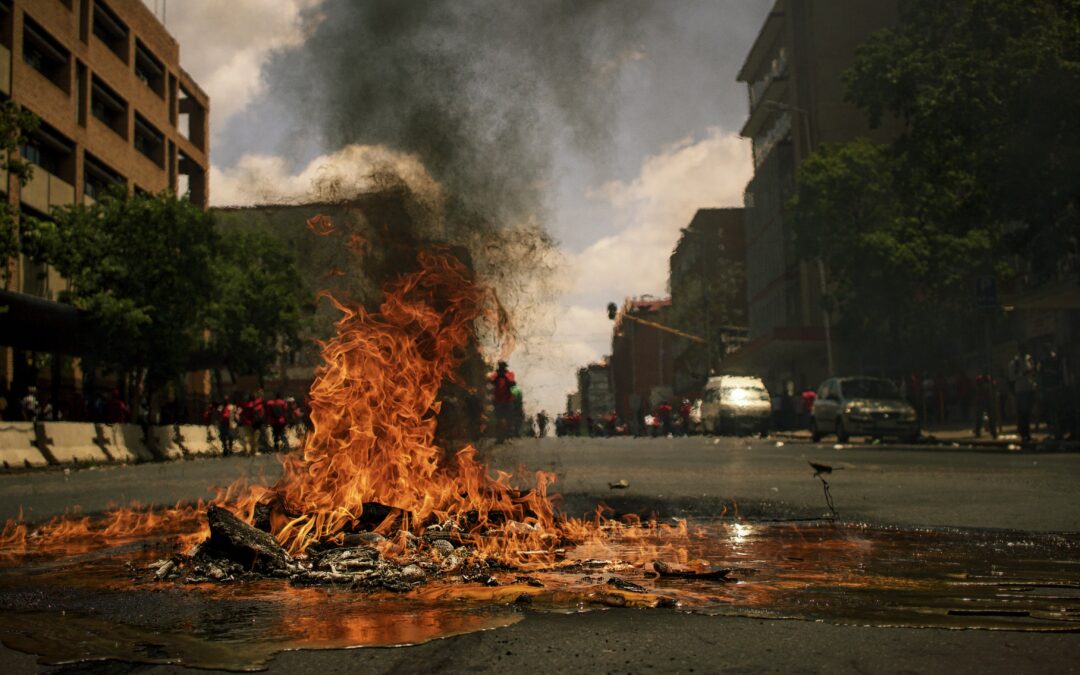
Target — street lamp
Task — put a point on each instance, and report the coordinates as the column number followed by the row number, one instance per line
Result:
column 776, row 105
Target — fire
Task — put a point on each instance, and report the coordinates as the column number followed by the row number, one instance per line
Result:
column 373, row 405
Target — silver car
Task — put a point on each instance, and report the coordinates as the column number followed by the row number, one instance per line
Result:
column 862, row 406
column 735, row 403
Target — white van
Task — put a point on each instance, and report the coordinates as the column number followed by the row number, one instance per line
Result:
column 735, row 403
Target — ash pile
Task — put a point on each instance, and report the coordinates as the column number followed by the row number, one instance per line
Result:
column 236, row 550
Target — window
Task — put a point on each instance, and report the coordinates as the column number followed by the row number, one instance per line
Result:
column 50, row 151
column 98, row 177
column 149, row 69
column 5, row 23
column 108, row 107
column 192, row 120
column 44, row 54
column 111, row 30
column 149, row 141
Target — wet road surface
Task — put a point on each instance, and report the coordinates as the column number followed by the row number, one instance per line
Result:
column 699, row 477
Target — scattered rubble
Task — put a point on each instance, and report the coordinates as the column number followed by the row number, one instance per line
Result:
column 710, row 573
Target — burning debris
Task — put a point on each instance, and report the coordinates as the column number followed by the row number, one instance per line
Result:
column 372, row 502
column 237, row 550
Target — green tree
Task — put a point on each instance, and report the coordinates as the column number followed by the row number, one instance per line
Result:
column 988, row 92
column 900, row 283
column 256, row 312
column 140, row 266
column 16, row 125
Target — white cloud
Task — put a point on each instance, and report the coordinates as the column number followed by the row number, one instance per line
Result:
column 225, row 44
column 651, row 209
column 266, row 179
column 648, row 212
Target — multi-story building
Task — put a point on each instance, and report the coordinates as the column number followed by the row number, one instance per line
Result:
column 793, row 74
column 116, row 108
column 594, row 387
column 707, row 280
column 641, row 357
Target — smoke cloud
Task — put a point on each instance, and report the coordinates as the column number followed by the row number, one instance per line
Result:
column 481, row 91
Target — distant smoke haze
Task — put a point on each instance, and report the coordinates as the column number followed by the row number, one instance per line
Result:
column 481, row 92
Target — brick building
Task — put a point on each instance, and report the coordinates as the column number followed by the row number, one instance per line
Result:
column 116, row 108
column 115, row 105
column 642, row 363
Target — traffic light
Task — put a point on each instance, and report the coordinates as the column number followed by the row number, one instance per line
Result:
column 612, row 310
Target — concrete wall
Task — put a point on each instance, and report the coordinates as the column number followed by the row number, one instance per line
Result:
column 17, row 449
column 28, row 445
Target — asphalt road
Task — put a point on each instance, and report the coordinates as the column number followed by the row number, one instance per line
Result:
column 694, row 476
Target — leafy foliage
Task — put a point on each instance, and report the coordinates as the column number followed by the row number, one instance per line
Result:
column 982, row 178
column 140, row 266
column 989, row 94
column 16, row 125
column 257, row 303
column 898, row 281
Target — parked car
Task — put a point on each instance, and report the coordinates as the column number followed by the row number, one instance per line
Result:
column 734, row 403
column 862, row 406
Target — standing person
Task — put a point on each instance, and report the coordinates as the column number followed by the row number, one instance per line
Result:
column 502, row 384
column 663, row 412
column 116, row 411
column 684, row 413
column 984, row 404
column 277, row 415
column 295, row 418
column 28, row 406
column 1022, row 375
column 262, row 444
column 226, row 422
column 809, row 396
column 1052, row 392
column 541, row 423
column 247, row 424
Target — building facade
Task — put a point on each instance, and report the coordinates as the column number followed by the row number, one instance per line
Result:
column 642, row 362
column 594, row 388
column 707, row 279
column 793, row 75
column 116, row 109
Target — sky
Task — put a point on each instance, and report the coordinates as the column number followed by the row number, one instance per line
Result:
column 609, row 122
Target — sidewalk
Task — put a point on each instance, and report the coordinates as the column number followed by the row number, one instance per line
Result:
column 963, row 435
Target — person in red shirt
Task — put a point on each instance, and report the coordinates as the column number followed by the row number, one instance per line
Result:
column 502, row 395
column 116, row 411
column 808, row 397
column 252, row 417
column 663, row 412
column 684, row 412
column 277, row 415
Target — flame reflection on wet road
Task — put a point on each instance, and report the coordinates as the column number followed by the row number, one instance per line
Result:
column 89, row 607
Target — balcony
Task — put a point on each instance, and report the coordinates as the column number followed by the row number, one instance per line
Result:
column 44, row 190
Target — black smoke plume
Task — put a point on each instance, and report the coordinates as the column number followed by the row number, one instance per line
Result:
column 480, row 90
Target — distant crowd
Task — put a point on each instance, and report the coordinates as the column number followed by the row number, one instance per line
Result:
column 247, row 423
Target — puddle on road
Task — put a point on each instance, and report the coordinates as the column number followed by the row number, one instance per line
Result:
column 88, row 608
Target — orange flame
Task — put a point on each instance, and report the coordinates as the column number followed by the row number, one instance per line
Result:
column 373, row 405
